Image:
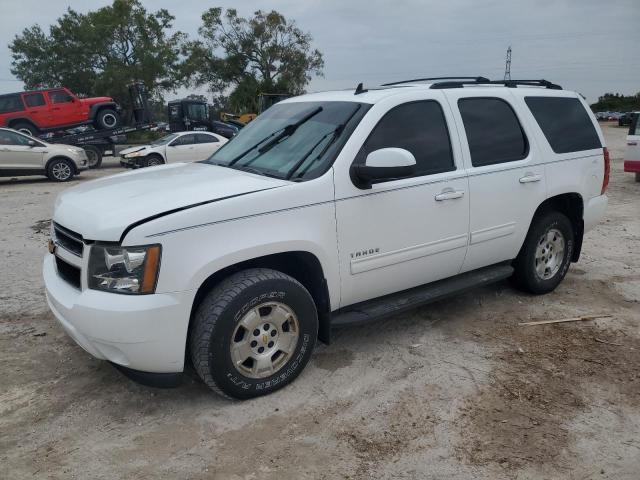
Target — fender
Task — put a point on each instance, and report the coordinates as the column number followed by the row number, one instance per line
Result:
column 28, row 120
column 93, row 110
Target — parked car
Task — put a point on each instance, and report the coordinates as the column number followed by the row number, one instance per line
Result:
column 40, row 111
column 329, row 209
column 22, row 155
column 225, row 129
column 624, row 120
column 632, row 151
column 172, row 148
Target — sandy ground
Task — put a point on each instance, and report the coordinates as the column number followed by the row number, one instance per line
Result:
column 454, row 390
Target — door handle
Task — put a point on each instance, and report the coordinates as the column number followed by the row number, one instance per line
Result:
column 449, row 194
column 530, row 178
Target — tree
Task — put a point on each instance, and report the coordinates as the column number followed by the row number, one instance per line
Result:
column 611, row 102
column 265, row 53
column 100, row 52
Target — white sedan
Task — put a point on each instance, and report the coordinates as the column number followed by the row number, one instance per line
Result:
column 173, row 148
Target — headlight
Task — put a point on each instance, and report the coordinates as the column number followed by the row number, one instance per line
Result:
column 124, row 269
column 75, row 150
column 139, row 153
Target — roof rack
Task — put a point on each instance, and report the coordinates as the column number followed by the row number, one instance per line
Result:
column 475, row 79
column 506, row 83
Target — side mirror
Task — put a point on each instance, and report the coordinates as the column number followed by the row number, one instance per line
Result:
column 31, row 143
column 383, row 164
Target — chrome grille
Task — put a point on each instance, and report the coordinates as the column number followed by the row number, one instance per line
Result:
column 67, row 239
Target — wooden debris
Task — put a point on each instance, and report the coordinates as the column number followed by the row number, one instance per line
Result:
column 563, row 320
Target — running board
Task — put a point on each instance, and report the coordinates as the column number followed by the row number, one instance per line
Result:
column 415, row 297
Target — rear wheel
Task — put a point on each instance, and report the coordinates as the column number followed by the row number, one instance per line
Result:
column 253, row 333
column 26, row 128
column 546, row 254
column 107, row 119
column 94, row 156
column 60, row 170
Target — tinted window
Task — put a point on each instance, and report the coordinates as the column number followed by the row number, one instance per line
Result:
column 184, row 140
column 59, row 96
column 565, row 123
column 493, row 131
column 202, row 138
column 34, row 100
column 10, row 103
column 419, row 127
column 10, row 138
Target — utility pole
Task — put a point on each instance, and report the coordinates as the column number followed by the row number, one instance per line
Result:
column 507, row 67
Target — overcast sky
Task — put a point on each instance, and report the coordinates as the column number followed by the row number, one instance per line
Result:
column 592, row 46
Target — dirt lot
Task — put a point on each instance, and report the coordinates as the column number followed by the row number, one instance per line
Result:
column 454, row 390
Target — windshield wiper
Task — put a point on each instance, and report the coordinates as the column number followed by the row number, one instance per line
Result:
column 336, row 133
column 286, row 131
column 289, row 130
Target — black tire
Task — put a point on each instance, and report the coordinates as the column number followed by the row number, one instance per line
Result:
column 26, row 128
column 217, row 322
column 153, row 160
column 526, row 276
column 94, row 156
column 60, row 170
column 107, row 118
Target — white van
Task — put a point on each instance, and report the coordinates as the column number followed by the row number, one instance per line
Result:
column 329, row 209
column 632, row 151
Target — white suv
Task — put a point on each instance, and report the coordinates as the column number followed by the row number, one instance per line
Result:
column 329, row 209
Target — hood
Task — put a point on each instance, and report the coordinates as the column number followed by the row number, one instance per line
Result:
column 92, row 100
column 135, row 148
column 103, row 209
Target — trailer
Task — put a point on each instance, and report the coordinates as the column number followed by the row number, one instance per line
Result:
column 98, row 142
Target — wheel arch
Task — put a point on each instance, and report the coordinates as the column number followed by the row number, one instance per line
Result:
column 570, row 204
column 28, row 120
column 96, row 107
column 59, row 157
column 304, row 266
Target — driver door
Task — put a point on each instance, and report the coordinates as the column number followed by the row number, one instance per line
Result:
column 182, row 149
column 405, row 232
column 17, row 154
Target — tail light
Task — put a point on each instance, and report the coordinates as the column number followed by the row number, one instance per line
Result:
column 607, row 170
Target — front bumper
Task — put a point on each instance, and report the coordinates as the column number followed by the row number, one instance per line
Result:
column 141, row 332
column 81, row 161
column 133, row 162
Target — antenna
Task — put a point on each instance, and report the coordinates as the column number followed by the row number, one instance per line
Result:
column 507, row 66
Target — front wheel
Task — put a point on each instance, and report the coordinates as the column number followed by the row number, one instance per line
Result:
column 153, row 160
column 546, row 254
column 253, row 333
column 107, row 119
column 60, row 170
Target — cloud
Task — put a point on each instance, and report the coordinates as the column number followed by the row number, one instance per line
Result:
column 585, row 45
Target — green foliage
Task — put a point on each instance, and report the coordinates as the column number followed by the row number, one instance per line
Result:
column 614, row 102
column 100, row 52
column 145, row 136
column 265, row 53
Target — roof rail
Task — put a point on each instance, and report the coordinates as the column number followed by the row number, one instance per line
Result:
column 475, row 79
column 506, row 83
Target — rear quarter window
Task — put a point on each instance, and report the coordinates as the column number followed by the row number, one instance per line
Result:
column 565, row 123
column 11, row 103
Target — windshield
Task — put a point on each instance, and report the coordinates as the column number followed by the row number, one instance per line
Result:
column 197, row 111
column 164, row 140
column 305, row 153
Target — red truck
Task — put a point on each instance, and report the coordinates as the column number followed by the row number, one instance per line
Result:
column 38, row 111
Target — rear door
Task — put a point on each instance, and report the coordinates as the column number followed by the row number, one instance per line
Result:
column 17, row 154
column 506, row 173
column 206, row 145
column 182, row 149
column 37, row 108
